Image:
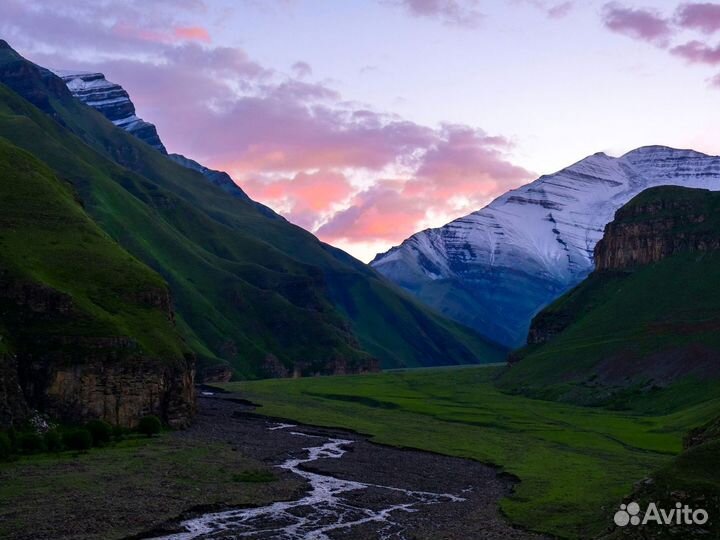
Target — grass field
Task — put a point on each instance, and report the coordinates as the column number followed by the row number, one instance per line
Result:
column 575, row 464
column 130, row 487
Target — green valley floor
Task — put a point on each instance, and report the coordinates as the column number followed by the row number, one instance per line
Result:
column 575, row 464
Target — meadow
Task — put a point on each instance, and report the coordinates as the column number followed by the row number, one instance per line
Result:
column 574, row 464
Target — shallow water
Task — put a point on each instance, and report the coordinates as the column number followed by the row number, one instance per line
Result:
column 322, row 511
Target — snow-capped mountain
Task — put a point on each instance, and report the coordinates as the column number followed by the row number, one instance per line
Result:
column 496, row 268
column 112, row 101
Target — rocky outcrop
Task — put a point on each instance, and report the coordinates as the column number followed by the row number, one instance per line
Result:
column 74, row 377
column 658, row 223
column 113, row 102
column 651, row 230
column 13, row 407
column 120, row 392
column 546, row 325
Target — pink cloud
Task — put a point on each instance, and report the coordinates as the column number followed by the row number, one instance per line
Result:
column 457, row 12
column 192, row 33
column 644, row 24
column 307, row 196
column 697, row 52
column 332, row 166
column 379, row 213
column 704, row 17
column 460, row 173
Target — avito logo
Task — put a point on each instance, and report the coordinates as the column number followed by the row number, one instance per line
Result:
column 680, row 515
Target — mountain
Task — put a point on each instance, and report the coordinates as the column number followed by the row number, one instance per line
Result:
column 86, row 330
column 113, row 102
column 642, row 330
column 254, row 295
column 496, row 268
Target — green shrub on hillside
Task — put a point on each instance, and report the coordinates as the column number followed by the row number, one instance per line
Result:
column 78, row 439
column 149, row 425
column 53, row 441
column 101, row 432
column 5, row 447
column 31, row 443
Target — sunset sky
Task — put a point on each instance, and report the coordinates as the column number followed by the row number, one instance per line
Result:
column 367, row 120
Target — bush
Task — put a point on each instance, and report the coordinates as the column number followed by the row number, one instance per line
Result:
column 29, row 443
column 118, row 433
column 149, row 425
column 101, row 432
column 78, row 439
column 53, row 441
column 5, row 447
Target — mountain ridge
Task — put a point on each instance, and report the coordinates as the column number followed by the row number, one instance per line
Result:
column 496, row 267
column 253, row 292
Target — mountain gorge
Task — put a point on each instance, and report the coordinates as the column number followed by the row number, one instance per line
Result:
column 253, row 295
column 496, row 268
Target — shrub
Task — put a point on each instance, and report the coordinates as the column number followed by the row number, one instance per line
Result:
column 31, row 442
column 53, row 441
column 101, row 432
column 5, row 447
column 78, row 439
column 149, row 425
column 118, row 433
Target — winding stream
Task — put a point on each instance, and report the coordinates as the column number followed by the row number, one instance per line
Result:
column 321, row 511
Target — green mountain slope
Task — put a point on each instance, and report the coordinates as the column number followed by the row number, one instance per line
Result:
column 643, row 330
column 250, row 288
column 77, row 311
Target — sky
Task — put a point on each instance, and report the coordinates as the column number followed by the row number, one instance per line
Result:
column 365, row 121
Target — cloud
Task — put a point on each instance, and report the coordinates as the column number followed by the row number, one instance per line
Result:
column 644, row 24
column 460, row 172
column 302, row 70
column 341, row 169
column 305, row 198
column 554, row 10
column 697, row 52
column 704, row 17
column 454, row 12
column 192, row 33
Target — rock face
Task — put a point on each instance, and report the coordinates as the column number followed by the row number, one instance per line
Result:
column 77, row 377
column 496, row 268
column 652, row 230
column 113, row 102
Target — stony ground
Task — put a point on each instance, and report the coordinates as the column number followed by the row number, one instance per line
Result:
column 147, row 490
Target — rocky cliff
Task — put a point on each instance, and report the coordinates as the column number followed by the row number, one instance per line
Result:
column 657, row 225
column 646, row 319
column 113, row 102
column 86, row 330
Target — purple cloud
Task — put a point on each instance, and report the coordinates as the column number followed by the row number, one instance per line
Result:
column 457, row 12
column 704, row 17
column 697, row 52
column 644, row 24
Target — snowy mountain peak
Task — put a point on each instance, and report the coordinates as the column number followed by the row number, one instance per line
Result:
column 495, row 268
column 112, row 101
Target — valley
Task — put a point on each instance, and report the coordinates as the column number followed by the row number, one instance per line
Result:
column 574, row 464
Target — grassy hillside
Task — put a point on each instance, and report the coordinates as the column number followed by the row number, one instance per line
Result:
column 575, row 464
column 249, row 287
column 47, row 241
column 645, row 337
